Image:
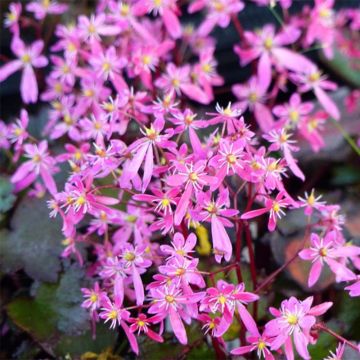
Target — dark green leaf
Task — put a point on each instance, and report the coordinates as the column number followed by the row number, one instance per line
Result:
column 34, row 243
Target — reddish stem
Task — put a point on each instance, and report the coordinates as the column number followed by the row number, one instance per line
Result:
column 323, row 327
column 238, row 26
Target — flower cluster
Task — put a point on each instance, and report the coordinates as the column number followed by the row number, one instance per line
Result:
column 147, row 172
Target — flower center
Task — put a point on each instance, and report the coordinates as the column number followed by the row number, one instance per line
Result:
column 261, row 345
column 46, row 3
column 68, row 120
column 207, row 68
column 37, row 158
column 151, row 133
column 92, row 29
column 292, row 319
column 276, row 206
column 218, row 6
column 89, row 93
column 180, row 271
column 323, row 252
column 222, row 299
column 253, row 97
column 169, row 298
column 315, row 76
column 113, row 314
column 175, row 82
column 146, row 59
column 165, row 202
column 140, row 323
column 124, row 9
column 212, row 208
column 228, row 111
column 26, row 59
column 93, row 297
column 231, row 159
column 193, row 176
column 268, row 43
column 131, row 218
column 106, row 66
column 129, row 256
column 294, row 116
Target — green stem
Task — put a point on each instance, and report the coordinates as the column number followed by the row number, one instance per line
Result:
column 346, row 136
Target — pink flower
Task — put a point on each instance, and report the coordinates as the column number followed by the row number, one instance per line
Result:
column 113, row 311
column 92, row 28
column 79, row 199
column 218, row 13
column 260, row 343
column 39, row 163
column 339, row 353
column 326, row 250
column 310, row 78
column 216, row 212
column 179, row 246
column 12, row 18
column 141, row 325
column 272, row 206
column 294, row 112
column 294, row 321
column 177, row 79
column 310, row 202
column 18, row 130
column 194, row 177
column 228, row 160
column 253, row 95
column 28, row 58
column 270, row 49
column 41, row 8
column 354, row 289
column 280, row 140
column 144, row 149
column 167, row 9
column 224, row 298
column 93, row 297
column 134, row 264
column 170, row 301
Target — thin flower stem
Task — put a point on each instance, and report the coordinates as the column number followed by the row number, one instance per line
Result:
column 347, row 137
column 276, row 15
column 273, row 275
column 238, row 26
column 323, row 327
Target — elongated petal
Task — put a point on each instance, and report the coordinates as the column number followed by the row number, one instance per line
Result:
column 254, row 213
column 320, row 309
column 291, row 60
column 28, row 86
column 172, row 23
column 9, row 68
column 148, row 168
column 315, row 272
column 248, row 320
column 183, row 205
column 242, row 350
column 138, row 286
column 327, row 103
column 131, row 337
column 221, row 240
column 154, row 336
column 22, row 171
column 48, row 181
column 177, row 326
column 137, row 160
column 301, row 343
column 292, row 164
